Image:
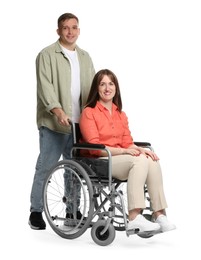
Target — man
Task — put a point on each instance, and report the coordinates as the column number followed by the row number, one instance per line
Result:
column 64, row 73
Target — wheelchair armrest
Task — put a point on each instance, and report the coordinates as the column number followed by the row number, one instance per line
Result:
column 143, row 144
column 102, row 146
column 88, row 145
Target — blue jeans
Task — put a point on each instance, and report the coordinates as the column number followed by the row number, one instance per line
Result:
column 52, row 146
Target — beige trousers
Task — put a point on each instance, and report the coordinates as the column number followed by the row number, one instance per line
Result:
column 138, row 171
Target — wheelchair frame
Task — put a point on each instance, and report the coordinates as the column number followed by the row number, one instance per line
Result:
column 98, row 200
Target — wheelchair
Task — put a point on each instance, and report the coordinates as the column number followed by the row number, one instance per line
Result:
column 86, row 186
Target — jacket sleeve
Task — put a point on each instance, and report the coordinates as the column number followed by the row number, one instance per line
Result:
column 45, row 89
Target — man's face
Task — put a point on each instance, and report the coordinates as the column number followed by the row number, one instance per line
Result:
column 68, row 31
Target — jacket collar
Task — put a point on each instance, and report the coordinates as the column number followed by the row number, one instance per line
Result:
column 59, row 49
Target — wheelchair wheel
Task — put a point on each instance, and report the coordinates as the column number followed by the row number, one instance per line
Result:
column 102, row 239
column 68, row 190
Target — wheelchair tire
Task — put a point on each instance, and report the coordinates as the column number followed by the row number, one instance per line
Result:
column 102, row 239
column 56, row 201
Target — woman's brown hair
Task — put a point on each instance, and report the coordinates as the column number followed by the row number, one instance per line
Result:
column 93, row 94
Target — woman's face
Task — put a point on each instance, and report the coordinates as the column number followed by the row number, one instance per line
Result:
column 106, row 89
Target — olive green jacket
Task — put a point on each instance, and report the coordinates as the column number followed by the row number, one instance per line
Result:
column 53, row 73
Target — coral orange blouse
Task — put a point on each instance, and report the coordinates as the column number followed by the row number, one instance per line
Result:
column 98, row 126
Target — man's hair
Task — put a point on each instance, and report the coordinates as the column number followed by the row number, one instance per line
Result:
column 66, row 16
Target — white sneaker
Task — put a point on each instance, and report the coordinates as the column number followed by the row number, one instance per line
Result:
column 164, row 223
column 142, row 224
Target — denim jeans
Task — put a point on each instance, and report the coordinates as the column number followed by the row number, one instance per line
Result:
column 72, row 192
column 53, row 145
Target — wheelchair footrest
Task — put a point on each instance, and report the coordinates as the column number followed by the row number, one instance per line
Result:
column 132, row 231
column 143, row 234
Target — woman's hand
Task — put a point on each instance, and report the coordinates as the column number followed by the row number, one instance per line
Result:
column 149, row 153
column 132, row 151
column 136, row 151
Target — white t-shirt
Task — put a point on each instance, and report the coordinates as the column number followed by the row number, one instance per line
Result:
column 75, row 83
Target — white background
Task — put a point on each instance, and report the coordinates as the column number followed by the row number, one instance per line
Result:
column 154, row 49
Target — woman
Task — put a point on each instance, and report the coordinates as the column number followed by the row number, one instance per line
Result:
column 103, row 122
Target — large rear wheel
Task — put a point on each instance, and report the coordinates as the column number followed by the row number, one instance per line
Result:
column 68, row 191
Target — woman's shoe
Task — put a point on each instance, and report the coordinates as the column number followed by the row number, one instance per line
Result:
column 141, row 224
column 165, row 224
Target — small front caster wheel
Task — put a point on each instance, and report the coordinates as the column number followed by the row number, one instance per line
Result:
column 102, row 239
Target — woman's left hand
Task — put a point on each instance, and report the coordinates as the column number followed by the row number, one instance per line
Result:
column 149, row 153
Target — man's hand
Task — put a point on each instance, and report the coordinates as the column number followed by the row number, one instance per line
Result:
column 62, row 118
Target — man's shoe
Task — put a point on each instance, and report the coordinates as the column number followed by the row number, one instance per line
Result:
column 165, row 224
column 71, row 221
column 70, row 215
column 36, row 221
column 141, row 224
